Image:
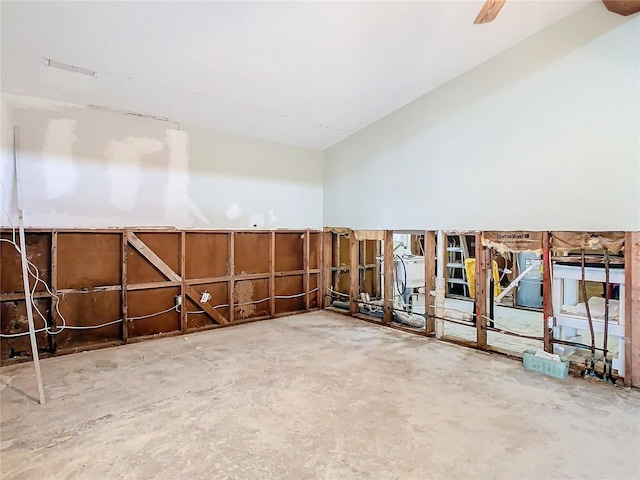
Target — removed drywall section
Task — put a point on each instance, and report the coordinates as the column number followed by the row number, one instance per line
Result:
column 92, row 167
column 543, row 136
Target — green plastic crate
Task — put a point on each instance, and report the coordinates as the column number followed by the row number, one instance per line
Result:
column 542, row 365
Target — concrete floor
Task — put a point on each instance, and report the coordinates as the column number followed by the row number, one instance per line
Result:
column 310, row 396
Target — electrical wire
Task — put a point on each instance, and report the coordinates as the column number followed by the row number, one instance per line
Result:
column 277, row 297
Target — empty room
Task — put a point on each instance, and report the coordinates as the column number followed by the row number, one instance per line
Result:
column 313, row 239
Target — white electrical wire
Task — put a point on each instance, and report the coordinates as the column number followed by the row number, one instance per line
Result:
column 277, row 297
column 337, row 293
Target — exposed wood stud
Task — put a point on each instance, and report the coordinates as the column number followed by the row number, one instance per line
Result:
column 151, row 256
column 481, row 292
column 376, row 271
column 429, row 279
column 307, row 276
column 232, row 268
column 547, row 303
column 183, row 285
column 54, row 285
column 123, row 289
column 632, row 308
column 272, row 271
column 388, row 276
column 354, row 273
column 336, row 261
column 327, row 255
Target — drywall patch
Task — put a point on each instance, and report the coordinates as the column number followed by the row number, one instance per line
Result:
column 273, row 218
column 58, row 168
column 177, row 202
column 124, row 170
column 233, row 212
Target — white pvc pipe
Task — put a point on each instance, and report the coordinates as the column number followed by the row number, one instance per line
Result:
column 25, row 275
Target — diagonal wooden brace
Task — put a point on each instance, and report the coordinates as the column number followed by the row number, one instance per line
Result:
column 168, row 272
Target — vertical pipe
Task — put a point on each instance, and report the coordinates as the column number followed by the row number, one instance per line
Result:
column 547, row 302
column 440, row 284
column 429, row 284
column 25, row 274
column 388, row 276
column 354, row 273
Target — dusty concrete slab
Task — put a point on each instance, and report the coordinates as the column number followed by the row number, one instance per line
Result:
column 310, row 396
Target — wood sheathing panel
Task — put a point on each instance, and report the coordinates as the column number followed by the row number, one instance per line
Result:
column 145, row 302
column 289, row 252
column 38, row 253
column 251, row 253
column 88, row 272
column 207, row 255
column 89, row 309
column 288, row 286
column 14, row 320
column 314, row 251
column 219, row 296
column 164, row 245
column 88, row 260
column 247, row 291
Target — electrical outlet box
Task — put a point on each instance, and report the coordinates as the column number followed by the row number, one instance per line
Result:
column 178, row 300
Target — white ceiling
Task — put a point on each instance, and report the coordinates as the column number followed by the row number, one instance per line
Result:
column 302, row 73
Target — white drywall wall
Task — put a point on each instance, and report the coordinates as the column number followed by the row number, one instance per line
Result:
column 90, row 167
column 544, row 136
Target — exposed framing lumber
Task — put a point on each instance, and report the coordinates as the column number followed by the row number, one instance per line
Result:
column 305, row 262
column 388, row 276
column 272, row 274
column 151, row 256
column 327, row 255
column 54, row 281
column 429, row 279
column 166, row 270
column 183, row 285
column 354, row 273
column 481, row 292
column 632, row 309
column 547, row 303
column 376, row 272
column 124, row 305
column 231, row 273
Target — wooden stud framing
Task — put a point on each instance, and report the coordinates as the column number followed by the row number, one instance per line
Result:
column 54, row 281
column 429, row 279
column 388, row 276
column 183, row 285
column 376, row 272
column 632, row 309
column 547, row 303
column 307, row 275
column 481, row 293
column 327, row 276
column 354, row 273
column 231, row 273
column 123, row 291
column 272, row 278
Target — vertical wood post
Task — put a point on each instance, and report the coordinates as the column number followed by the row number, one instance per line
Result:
column 481, row 292
column 272, row 273
column 547, row 303
column 376, row 272
column 327, row 255
column 232, row 269
column 123, row 292
column 632, row 309
column 354, row 273
column 183, row 282
column 388, row 276
column 306, row 247
column 429, row 279
column 335, row 281
column 54, row 287
column 441, row 286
